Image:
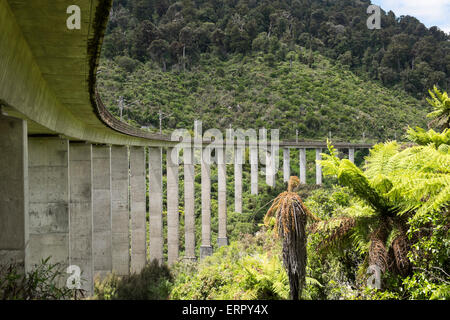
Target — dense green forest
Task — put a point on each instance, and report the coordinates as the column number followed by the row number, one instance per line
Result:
column 404, row 53
column 228, row 62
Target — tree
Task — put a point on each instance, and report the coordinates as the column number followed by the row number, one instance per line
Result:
column 144, row 35
column 290, row 216
column 392, row 190
column 159, row 49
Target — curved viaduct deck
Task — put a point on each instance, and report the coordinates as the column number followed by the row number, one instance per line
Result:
column 48, row 72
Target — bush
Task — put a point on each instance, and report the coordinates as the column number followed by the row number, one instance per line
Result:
column 245, row 270
column 42, row 283
column 153, row 283
column 127, row 63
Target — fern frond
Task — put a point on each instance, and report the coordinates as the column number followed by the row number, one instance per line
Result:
column 380, row 161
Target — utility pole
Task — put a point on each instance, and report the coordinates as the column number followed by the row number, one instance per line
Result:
column 161, row 117
column 121, row 106
column 296, row 136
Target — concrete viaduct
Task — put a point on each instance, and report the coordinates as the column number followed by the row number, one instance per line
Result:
column 73, row 177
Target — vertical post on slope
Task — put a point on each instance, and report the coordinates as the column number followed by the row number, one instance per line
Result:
column 48, row 171
column 222, row 239
column 138, row 209
column 13, row 191
column 254, row 169
column 155, row 204
column 351, row 155
column 189, row 204
column 102, row 243
column 238, row 161
column 286, row 164
column 302, row 156
column 120, row 210
column 206, row 248
column 173, row 215
column 318, row 167
column 81, row 212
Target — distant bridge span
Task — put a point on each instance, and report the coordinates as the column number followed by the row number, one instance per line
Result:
column 73, row 177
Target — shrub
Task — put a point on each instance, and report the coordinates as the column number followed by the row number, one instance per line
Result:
column 41, row 283
column 153, row 283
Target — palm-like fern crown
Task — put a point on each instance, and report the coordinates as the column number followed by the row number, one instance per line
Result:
column 441, row 108
column 396, row 184
column 286, row 208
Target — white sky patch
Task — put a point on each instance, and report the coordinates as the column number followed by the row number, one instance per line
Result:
column 429, row 12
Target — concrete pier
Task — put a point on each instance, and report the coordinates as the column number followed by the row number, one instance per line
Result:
column 81, row 214
column 120, row 210
column 302, row 156
column 318, row 167
column 351, row 155
column 13, row 190
column 222, row 239
column 238, row 161
column 138, row 209
column 155, row 204
column 102, row 245
column 286, row 164
column 206, row 248
column 48, row 169
column 270, row 167
column 173, row 214
column 254, row 170
column 189, row 201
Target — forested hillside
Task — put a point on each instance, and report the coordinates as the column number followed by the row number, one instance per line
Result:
column 258, row 92
column 404, row 53
column 311, row 67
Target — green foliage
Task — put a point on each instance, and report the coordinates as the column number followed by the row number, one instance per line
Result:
column 152, row 283
column 245, row 270
column 405, row 55
column 423, row 137
column 288, row 96
column 441, row 108
column 406, row 188
column 43, row 282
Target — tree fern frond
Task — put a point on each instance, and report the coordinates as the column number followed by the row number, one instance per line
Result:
column 380, row 159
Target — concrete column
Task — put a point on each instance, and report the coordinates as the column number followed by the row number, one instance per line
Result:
column 49, row 200
column 238, row 160
column 351, row 155
column 120, row 212
column 222, row 239
column 318, row 167
column 81, row 214
column 286, row 164
column 254, row 170
column 138, row 209
column 13, row 190
column 302, row 155
column 102, row 245
column 206, row 248
column 189, row 209
column 173, row 214
column 270, row 167
column 155, row 204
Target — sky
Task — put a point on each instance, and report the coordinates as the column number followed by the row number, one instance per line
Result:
column 429, row 12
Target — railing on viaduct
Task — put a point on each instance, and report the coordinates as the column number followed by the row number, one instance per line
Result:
column 73, row 178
